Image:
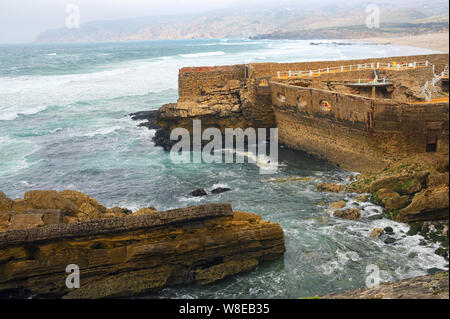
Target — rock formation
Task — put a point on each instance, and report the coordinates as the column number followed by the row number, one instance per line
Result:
column 434, row 286
column 120, row 254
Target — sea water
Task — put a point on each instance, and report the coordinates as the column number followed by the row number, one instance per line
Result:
column 64, row 124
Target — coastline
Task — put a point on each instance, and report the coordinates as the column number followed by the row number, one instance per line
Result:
column 434, row 41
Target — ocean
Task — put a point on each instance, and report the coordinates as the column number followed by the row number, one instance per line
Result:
column 64, row 124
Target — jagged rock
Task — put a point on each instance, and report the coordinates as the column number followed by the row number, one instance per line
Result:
column 145, row 211
column 429, row 204
column 337, row 205
column 377, row 233
column 137, row 254
column 351, row 214
column 6, row 203
column 89, row 212
column 438, row 179
column 220, row 190
column 79, row 199
column 330, row 188
column 199, row 193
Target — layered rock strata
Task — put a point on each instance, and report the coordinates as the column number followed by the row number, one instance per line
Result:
column 130, row 255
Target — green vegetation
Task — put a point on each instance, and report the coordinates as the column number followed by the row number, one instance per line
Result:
column 402, row 189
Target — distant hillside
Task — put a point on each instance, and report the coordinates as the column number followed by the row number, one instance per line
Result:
column 313, row 19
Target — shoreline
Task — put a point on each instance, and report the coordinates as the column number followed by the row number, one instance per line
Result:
column 434, row 41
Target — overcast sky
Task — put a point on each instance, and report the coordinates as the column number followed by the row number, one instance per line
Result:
column 23, row 20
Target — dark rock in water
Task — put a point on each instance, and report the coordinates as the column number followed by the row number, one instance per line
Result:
column 390, row 241
column 434, row 271
column 375, row 217
column 442, row 252
column 162, row 138
column 389, row 230
column 150, row 116
column 199, row 192
column 422, row 243
column 220, row 190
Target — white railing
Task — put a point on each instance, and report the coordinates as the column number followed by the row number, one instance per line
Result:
column 357, row 67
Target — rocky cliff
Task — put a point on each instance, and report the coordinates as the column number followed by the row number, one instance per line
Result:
column 120, row 254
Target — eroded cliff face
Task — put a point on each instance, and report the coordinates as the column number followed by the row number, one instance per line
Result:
column 131, row 255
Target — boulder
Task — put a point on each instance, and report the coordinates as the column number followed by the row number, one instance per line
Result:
column 409, row 187
column 6, row 204
column 220, row 190
column 351, row 214
column 79, row 199
column 199, row 192
column 429, row 204
column 377, row 233
column 396, row 202
column 388, row 182
column 330, row 188
column 337, row 205
column 49, row 200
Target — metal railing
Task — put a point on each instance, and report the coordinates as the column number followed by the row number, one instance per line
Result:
column 347, row 68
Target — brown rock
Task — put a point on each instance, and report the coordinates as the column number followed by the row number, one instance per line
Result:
column 70, row 220
column 4, row 221
column 429, row 204
column 438, row 179
column 145, row 211
column 138, row 254
column 88, row 212
column 396, row 202
column 351, row 214
column 377, row 233
column 6, row 203
column 49, row 200
column 337, row 205
column 79, row 199
column 330, row 188
column 25, row 221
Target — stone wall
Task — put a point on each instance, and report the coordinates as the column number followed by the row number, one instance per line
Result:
column 357, row 133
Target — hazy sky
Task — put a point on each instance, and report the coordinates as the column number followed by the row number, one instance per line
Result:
column 23, row 20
